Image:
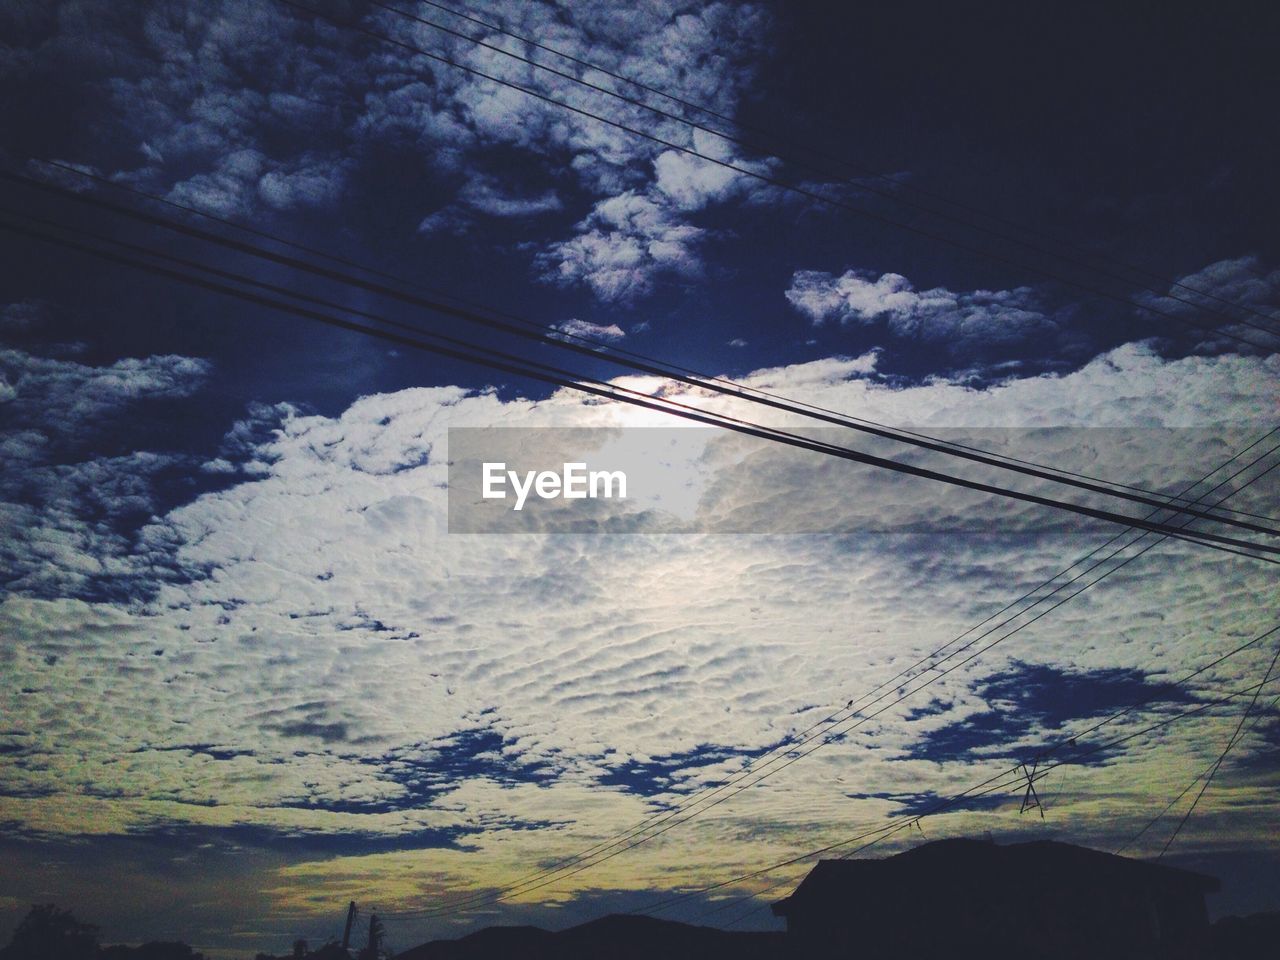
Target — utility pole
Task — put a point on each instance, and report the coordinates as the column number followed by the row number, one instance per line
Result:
column 346, row 933
column 375, row 938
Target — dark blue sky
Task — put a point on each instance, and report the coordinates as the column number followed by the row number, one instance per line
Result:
column 1138, row 133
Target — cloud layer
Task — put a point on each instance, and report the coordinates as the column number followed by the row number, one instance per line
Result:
column 245, row 109
column 314, row 657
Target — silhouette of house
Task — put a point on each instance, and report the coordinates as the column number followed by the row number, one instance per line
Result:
column 971, row 898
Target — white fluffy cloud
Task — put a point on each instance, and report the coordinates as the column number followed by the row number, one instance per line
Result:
column 201, row 94
column 938, row 314
column 639, row 229
column 970, row 321
column 205, row 91
column 631, row 239
column 625, row 243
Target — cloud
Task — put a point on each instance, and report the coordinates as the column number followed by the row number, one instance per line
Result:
column 703, row 55
column 67, row 398
column 318, row 656
column 23, row 316
column 1241, row 280
column 690, row 183
column 829, row 371
column 306, row 183
column 485, row 195
column 633, row 238
column 973, row 318
column 1243, row 283
column 625, row 243
column 594, row 331
column 202, row 93
column 637, row 230
column 68, row 508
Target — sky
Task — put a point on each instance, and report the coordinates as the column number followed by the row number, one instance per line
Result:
column 249, row 674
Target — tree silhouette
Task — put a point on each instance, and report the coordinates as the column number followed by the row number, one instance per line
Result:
column 48, row 932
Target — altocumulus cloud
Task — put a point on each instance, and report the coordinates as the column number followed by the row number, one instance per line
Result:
column 67, row 508
column 321, row 659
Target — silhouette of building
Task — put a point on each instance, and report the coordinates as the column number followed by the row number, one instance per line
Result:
column 608, row 938
column 975, row 898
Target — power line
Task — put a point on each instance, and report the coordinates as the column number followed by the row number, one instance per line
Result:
column 848, row 713
column 991, row 784
column 202, row 283
column 1187, row 789
column 448, row 346
column 169, row 273
column 1221, row 757
column 971, row 793
column 539, row 334
column 646, row 833
column 1256, row 690
column 854, row 180
column 598, row 347
column 731, row 138
column 225, row 289
column 472, row 316
column 776, row 181
column 590, row 347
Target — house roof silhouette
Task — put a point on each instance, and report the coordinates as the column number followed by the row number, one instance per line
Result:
column 957, row 897
column 1038, row 860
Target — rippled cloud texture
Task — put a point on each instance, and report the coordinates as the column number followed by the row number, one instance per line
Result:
column 307, row 661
